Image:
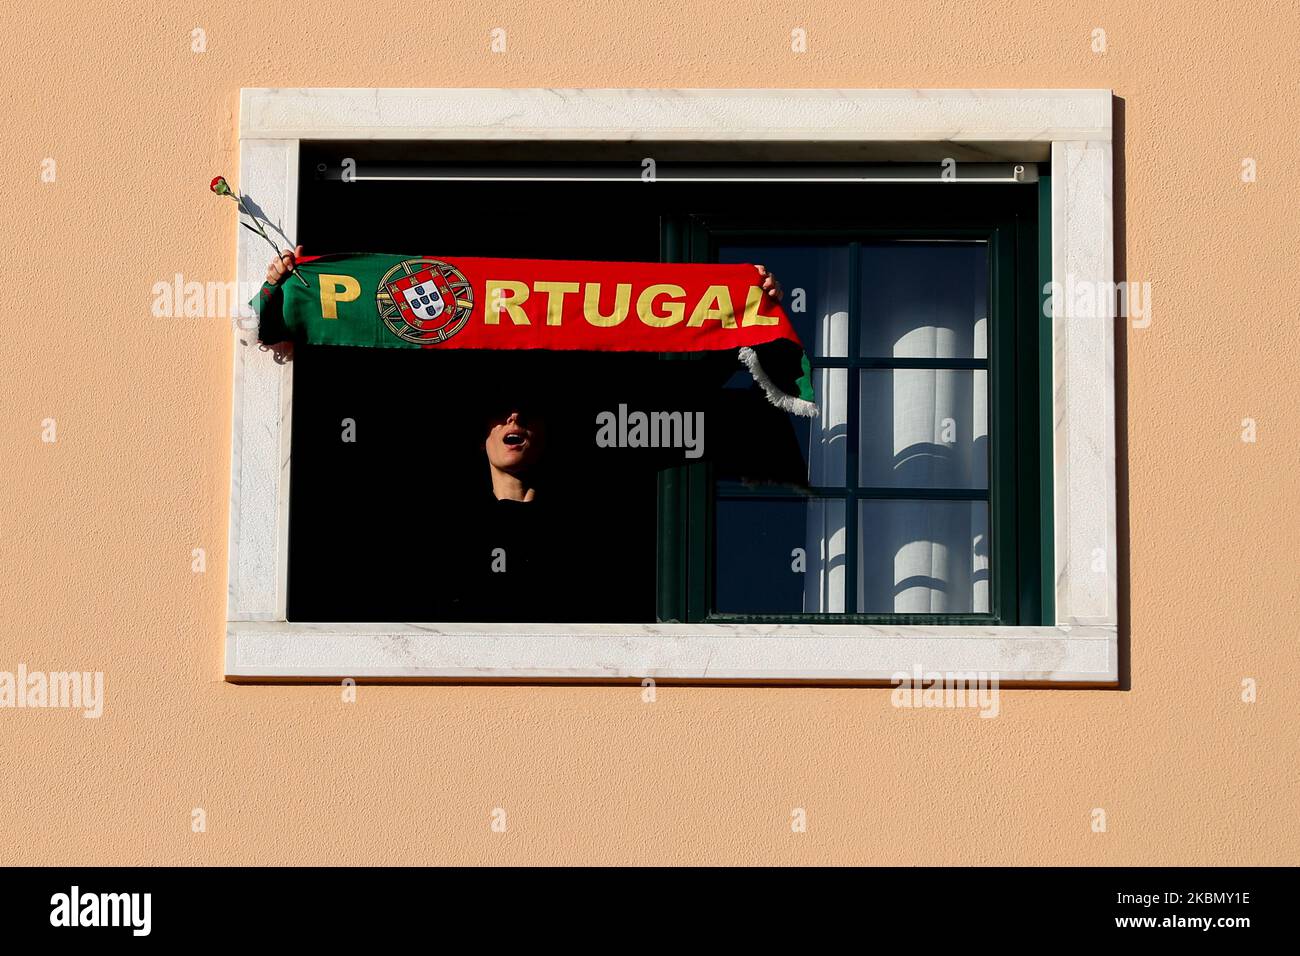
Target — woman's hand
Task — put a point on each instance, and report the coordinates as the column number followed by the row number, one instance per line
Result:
column 282, row 265
column 770, row 285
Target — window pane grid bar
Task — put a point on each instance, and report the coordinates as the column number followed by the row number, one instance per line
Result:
column 833, row 236
column 740, row 492
column 888, row 362
column 853, row 426
column 854, row 617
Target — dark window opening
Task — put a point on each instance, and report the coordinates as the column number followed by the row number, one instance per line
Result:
column 401, row 524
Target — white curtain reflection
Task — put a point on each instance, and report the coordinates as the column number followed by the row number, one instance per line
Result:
column 924, row 556
column 918, row 428
column 827, row 465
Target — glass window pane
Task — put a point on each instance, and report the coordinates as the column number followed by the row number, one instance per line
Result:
column 757, row 442
column 780, row 557
column 923, row 428
column 923, row 557
column 925, row 300
column 816, row 283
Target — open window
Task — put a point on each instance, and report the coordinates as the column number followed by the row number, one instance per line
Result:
column 952, row 506
column 901, row 501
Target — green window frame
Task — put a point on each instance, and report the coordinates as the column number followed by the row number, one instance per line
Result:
column 1014, row 221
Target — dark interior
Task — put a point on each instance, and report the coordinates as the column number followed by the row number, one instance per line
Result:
column 389, row 527
column 383, row 528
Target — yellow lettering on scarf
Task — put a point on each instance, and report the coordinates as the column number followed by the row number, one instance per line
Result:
column 591, row 305
column 645, row 303
column 555, row 293
column 714, row 306
column 497, row 301
column 336, row 289
column 751, row 309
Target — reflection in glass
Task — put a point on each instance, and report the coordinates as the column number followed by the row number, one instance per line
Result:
column 924, row 300
column 816, row 284
column 754, row 444
column 923, row 428
column 780, row 557
column 918, row 428
column 923, row 557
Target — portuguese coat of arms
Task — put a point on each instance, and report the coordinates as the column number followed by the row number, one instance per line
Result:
column 425, row 301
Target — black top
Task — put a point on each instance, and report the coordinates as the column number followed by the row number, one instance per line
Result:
column 518, row 565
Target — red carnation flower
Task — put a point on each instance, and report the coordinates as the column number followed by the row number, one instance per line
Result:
column 222, row 188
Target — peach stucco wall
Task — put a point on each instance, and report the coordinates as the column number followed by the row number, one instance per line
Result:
column 98, row 527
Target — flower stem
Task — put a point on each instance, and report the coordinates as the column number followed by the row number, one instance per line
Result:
column 262, row 232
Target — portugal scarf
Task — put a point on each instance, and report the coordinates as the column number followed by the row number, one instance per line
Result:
column 391, row 301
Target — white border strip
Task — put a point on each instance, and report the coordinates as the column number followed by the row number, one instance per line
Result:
column 667, row 651
column 961, row 116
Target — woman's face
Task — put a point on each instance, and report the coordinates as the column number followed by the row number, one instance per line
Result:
column 514, row 441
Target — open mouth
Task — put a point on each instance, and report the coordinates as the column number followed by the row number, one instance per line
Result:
column 515, row 439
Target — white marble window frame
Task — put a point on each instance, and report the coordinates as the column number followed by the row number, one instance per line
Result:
column 1072, row 126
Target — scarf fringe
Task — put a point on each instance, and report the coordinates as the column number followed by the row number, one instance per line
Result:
column 782, row 400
